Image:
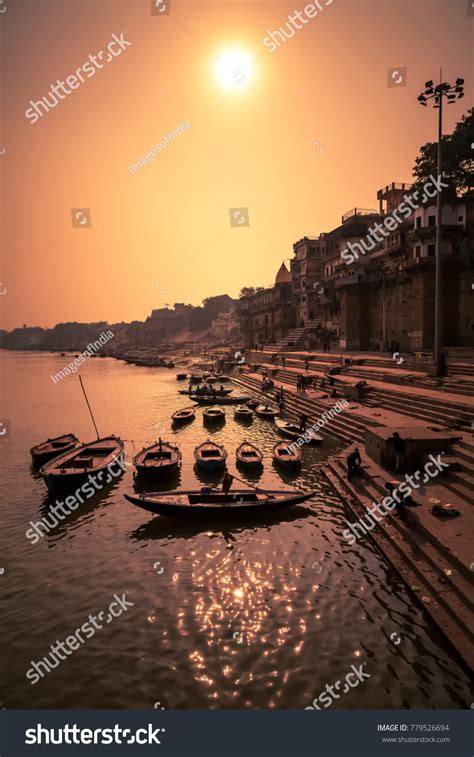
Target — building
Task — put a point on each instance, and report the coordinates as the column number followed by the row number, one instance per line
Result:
column 369, row 284
column 225, row 329
column 306, row 279
column 267, row 315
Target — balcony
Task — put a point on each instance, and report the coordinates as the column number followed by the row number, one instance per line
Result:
column 343, row 281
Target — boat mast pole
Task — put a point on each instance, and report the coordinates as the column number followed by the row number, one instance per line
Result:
column 88, row 405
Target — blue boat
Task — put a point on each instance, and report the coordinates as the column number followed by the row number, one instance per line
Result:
column 210, row 456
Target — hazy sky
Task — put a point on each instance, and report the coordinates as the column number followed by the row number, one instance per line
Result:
column 163, row 234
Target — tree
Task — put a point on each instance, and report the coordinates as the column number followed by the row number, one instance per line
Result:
column 457, row 157
column 246, row 292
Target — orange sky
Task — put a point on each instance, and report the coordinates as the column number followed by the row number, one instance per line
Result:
column 247, row 147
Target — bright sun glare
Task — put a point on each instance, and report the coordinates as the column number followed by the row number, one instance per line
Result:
column 233, row 68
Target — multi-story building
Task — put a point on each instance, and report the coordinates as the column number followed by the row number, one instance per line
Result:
column 306, row 278
column 225, row 328
column 267, row 315
column 383, row 296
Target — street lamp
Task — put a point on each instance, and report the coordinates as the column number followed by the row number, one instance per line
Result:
column 451, row 93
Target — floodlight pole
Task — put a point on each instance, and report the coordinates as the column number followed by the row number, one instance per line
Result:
column 438, row 324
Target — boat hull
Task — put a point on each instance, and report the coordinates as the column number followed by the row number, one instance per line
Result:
column 177, row 503
column 295, row 433
column 44, row 453
column 56, row 477
column 220, row 400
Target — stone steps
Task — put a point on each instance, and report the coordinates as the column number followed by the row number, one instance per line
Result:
column 341, row 427
column 419, row 562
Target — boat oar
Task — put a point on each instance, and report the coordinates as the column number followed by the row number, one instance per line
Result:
column 88, row 405
column 257, row 489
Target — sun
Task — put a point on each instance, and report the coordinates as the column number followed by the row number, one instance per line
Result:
column 233, row 68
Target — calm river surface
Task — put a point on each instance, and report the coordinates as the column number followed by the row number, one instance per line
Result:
column 243, row 615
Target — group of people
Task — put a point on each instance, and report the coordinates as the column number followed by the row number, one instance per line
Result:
column 276, row 357
column 354, row 469
column 300, row 384
column 206, row 390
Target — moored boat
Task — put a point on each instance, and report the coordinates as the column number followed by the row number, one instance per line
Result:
column 195, row 378
column 266, row 412
column 210, row 393
column 286, row 457
column 210, row 456
column 73, row 467
column 219, row 400
column 157, row 459
column 51, row 448
column 213, row 415
column 243, row 413
column 222, row 378
column 293, row 430
column 248, row 455
column 211, row 503
column 186, row 415
column 181, row 376
column 252, row 403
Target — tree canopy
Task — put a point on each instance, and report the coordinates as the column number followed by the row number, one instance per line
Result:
column 457, row 157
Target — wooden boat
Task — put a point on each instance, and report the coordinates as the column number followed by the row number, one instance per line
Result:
column 252, row 403
column 286, row 457
column 210, row 456
column 243, row 413
column 266, row 412
column 51, row 448
column 218, row 392
column 249, row 455
column 221, row 378
column 186, row 415
column 157, row 459
column 195, row 378
column 211, row 380
column 219, row 400
column 75, row 466
column 181, row 376
column 213, row 415
column 293, row 430
column 210, row 503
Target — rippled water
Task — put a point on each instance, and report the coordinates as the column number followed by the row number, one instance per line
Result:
column 259, row 614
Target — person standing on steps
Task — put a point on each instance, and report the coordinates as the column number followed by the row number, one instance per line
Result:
column 400, row 448
column 354, row 464
column 303, row 422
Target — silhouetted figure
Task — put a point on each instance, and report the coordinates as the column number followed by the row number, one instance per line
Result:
column 354, row 463
column 303, row 421
column 400, row 447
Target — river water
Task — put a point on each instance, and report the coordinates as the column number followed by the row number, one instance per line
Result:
column 259, row 614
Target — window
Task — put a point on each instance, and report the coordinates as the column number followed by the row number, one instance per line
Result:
column 431, row 220
column 418, row 223
column 431, row 250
